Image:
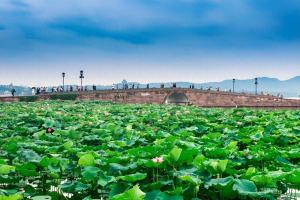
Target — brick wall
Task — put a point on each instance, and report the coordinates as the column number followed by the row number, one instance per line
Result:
column 195, row 97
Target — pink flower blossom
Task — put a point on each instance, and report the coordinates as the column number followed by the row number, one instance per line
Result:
column 50, row 130
column 158, row 159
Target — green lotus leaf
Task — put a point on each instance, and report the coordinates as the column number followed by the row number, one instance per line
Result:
column 11, row 197
column 158, row 195
column 132, row 177
column 27, row 169
column 222, row 164
column 115, row 167
column 6, row 169
column 90, row 173
column 220, row 182
column 134, row 193
column 263, row 181
column 175, row 154
column 277, row 175
column 232, row 145
column 79, row 187
column 248, row 188
column 187, row 155
column 11, row 146
column 199, row 161
column 45, row 161
column 244, row 187
column 86, row 160
column 104, row 180
column 68, row 145
column 67, row 187
column 191, row 179
column 29, row 155
column 294, row 177
column 250, row 172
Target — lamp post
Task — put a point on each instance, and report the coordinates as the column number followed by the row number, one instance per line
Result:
column 81, row 77
column 233, row 84
column 63, row 76
column 256, row 83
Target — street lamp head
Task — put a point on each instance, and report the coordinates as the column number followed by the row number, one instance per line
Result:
column 63, row 74
column 81, row 74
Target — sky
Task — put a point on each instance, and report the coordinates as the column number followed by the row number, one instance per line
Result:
column 147, row 40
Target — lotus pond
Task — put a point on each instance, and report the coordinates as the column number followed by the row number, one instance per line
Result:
column 93, row 150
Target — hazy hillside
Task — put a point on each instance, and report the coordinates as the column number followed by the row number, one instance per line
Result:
column 289, row 88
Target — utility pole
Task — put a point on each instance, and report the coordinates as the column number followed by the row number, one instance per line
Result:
column 256, row 83
column 63, row 76
column 81, row 77
column 233, row 84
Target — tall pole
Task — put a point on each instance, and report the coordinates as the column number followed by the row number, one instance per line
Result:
column 63, row 76
column 256, row 83
column 81, row 77
column 233, row 84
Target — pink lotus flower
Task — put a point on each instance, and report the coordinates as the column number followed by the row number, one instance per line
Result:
column 50, row 130
column 158, row 159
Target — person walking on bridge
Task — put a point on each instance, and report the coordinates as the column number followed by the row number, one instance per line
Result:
column 13, row 91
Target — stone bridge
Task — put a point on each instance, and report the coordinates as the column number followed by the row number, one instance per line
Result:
column 201, row 98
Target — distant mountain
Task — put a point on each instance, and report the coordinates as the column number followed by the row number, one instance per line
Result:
column 288, row 88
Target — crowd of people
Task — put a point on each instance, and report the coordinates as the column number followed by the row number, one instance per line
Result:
column 43, row 90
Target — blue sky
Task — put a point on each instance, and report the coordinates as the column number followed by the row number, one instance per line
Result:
column 147, row 40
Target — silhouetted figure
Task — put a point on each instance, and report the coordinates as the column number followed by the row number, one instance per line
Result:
column 71, row 88
column 94, row 88
column 38, row 91
column 174, row 85
column 193, row 86
column 13, row 91
column 85, row 88
column 162, row 85
column 148, row 86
